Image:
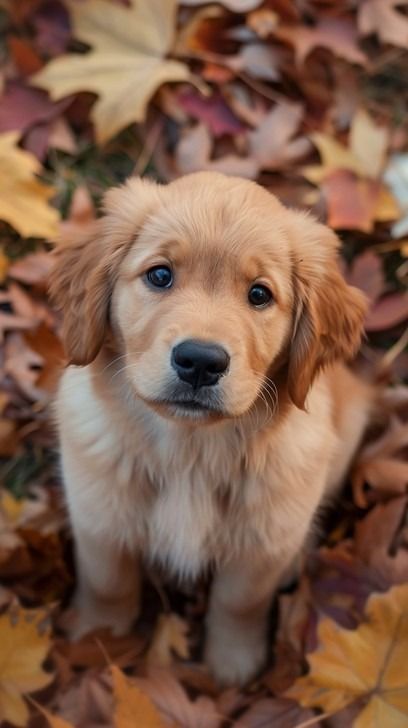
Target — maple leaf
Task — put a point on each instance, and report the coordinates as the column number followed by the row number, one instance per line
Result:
column 382, row 18
column 368, row 664
column 336, row 34
column 132, row 706
column 25, row 642
column 126, row 64
column 23, row 197
column 170, row 636
column 364, row 156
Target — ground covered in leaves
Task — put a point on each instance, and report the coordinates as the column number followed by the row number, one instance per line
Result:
column 309, row 97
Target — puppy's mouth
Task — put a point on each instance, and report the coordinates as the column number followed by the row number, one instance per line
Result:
column 190, row 405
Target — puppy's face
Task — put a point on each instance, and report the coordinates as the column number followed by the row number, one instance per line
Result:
column 208, row 283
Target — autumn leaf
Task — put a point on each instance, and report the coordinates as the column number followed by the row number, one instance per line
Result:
column 170, row 636
column 368, row 664
column 132, row 706
column 25, row 641
column 364, row 156
column 23, row 197
column 336, row 34
column 382, row 17
column 126, row 64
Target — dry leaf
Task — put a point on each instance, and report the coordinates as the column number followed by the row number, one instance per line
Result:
column 336, row 34
column 194, row 153
column 170, row 636
column 172, row 701
column 382, row 17
column 25, row 642
column 272, row 144
column 132, row 706
column 23, row 197
column 369, row 662
column 126, row 64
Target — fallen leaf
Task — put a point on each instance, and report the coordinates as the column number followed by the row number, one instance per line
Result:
column 212, row 111
column 364, row 156
column 353, row 203
column 376, row 540
column 126, row 64
column 369, row 662
column 278, row 712
column 366, row 272
column 337, row 35
column 34, row 268
column 194, row 150
column 23, row 364
column 389, row 311
column 170, row 636
column 368, row 142
column 174, row 704
column 257, row 59
column 22, row 107
column 132, row 706
column 25, row 642
column 382, row 17
column 237, row 6
column 23, row 197
column 272, row 144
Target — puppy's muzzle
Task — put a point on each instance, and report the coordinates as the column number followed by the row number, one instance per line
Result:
column 199, row 363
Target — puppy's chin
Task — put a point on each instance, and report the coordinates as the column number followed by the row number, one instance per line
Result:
column 191, row 412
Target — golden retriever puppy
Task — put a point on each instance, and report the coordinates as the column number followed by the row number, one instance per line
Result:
column 206, row 411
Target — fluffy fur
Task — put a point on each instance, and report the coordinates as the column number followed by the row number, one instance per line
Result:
column 234, row 487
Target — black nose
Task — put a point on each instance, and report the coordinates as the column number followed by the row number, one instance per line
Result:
column 199, row 363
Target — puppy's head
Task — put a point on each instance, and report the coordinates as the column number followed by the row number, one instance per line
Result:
column 207, row 287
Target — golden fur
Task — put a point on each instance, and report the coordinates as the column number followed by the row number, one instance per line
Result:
column 235, row 489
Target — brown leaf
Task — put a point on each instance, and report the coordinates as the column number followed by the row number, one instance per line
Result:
column 382, row 17
column 272, row 144
column 389, row 311
column 376, row 540
column 379, row 467
column 366, row 273
column 278, row 712
column 337, row 35
column 32, row 269
column 173, row 703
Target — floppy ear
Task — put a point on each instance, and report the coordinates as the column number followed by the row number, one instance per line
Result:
column 329, row 314
column 86, row 268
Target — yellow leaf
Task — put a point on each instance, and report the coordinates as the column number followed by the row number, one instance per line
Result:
column 170, row 636
column 132, row 707
column 127, row 62
column 365, row 155
column 334, row 156
column 25, row 642
column 23, row 197
column 368, row 143
column 387, row 207
column 369, row 662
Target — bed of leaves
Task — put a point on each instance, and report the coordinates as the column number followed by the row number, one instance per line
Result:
column 309, row 97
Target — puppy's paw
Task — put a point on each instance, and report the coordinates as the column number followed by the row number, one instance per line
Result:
column 235, row 661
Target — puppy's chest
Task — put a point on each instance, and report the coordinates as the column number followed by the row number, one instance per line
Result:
column 189, row 504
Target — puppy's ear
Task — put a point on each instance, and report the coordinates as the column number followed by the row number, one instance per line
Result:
column 87, row 265
column 329, row 314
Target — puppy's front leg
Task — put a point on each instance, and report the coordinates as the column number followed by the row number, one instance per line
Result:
column 237, row 619
column 108, row 593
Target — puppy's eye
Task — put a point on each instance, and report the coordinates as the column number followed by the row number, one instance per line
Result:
column 160, row 276
column 259, row 295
